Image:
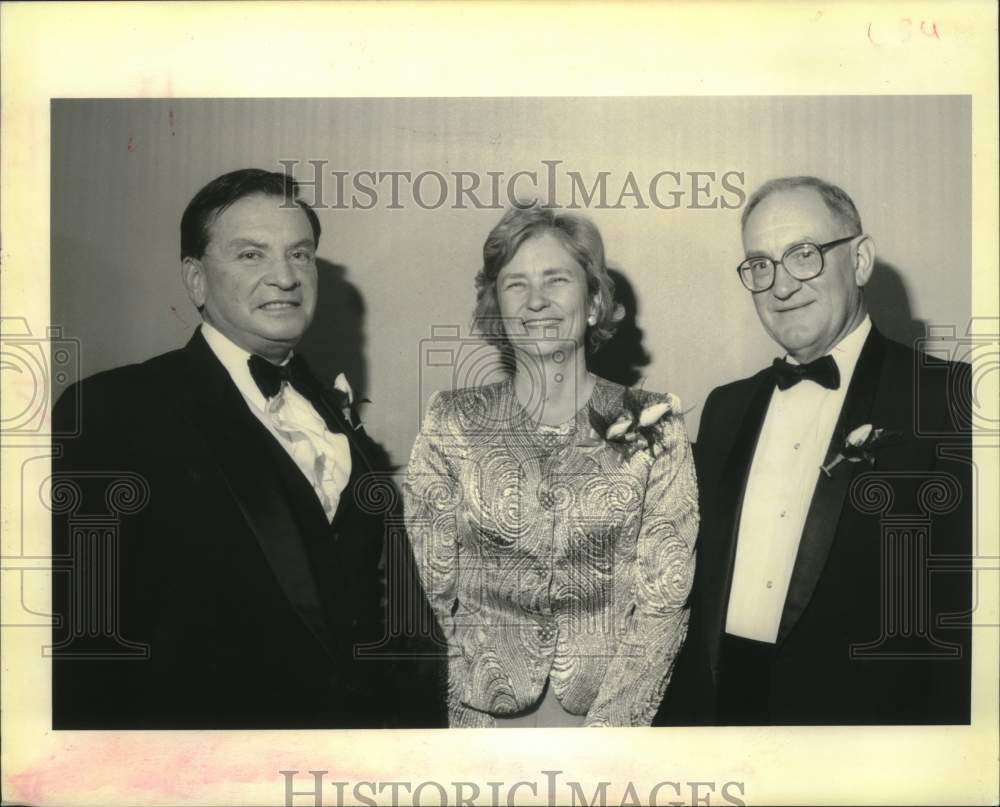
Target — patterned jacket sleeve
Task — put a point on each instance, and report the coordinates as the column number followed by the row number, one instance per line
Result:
column 657, row 614
column 431, row 495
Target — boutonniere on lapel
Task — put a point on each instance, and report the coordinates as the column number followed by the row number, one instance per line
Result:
column 634, row 428
column 343, row 399
column 860, row 446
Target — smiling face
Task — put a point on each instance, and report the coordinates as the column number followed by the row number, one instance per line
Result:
column 809, row 317
column 544, row 288
column 256, row 282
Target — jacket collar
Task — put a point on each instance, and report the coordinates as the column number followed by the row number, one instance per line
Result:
column 827, row 503
column 828, row 497
column 237, row 442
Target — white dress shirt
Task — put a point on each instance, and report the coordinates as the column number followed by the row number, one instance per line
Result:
column 791, row 448
column 323, row 457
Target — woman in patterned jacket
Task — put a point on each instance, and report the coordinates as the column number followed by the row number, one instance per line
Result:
column 553, row 514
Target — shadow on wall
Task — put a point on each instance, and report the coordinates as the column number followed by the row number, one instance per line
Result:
column 889, row 305
column 622, row 358
column 335, row 342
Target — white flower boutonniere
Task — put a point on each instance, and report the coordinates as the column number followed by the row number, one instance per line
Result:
column 344, row 398
column 341, row 383
column 860, row 445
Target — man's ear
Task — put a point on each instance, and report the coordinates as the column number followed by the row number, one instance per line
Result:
column 193, row 277
column 865, row 251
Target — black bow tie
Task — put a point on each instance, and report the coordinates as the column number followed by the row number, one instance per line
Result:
column 270, row 376
column 823, row 371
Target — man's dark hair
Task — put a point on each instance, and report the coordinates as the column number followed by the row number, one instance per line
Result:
column 835, row 198
column 223, row 191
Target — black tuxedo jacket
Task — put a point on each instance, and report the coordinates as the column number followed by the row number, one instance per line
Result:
column 201, row 584
column 875, row 624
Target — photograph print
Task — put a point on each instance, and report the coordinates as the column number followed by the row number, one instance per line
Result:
column 512, row 412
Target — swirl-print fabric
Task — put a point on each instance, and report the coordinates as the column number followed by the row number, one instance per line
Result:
column 546, row 556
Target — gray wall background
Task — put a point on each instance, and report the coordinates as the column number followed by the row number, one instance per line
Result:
column 123, row 171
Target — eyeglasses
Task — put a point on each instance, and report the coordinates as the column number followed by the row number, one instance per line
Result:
column 803, row 261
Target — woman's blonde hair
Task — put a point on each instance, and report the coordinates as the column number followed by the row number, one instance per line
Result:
column 580, row 238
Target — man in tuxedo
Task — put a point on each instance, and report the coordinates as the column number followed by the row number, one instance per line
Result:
column 833, row 561
column 238, row 571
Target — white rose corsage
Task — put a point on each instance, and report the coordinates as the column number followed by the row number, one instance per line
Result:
column 636, row 428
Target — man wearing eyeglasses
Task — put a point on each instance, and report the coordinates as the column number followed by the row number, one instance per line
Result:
column 832, row 582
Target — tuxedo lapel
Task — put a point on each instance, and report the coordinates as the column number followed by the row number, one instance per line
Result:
column 828, row 497
column 237, row 442
column 729, row 507
column 329, row 409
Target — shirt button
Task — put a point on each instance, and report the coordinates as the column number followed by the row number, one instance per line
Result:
column 783, row 513
column 797, row 446
column 770, row 584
